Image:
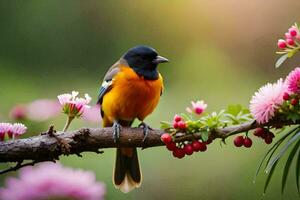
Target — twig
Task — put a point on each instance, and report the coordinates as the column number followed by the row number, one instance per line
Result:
column 18, row 166
column 44, row 148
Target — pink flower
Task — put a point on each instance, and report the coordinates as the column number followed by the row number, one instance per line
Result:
column 5, row 128
column 53, row 181
column 267, row 100
column 18, row 129
column 73, row 105
column 290, row 42
column 92, row 114
column 293, row 81
column 18, row 112
column 281, row 44
column 197, row 107
column 288, row 36
column 292, row 39
column 43, row 109
column 11, row 130
column 293, row 31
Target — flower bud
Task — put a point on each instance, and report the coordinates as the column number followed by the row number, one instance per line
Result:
column 281, row 44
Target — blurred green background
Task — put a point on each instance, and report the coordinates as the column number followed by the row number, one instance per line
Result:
column 220, row 51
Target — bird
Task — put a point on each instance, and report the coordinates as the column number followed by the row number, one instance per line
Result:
column 130, row 90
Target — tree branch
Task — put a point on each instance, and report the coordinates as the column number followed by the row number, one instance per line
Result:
column 50, row 145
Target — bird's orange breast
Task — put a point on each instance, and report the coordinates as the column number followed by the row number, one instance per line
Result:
column 131, row 96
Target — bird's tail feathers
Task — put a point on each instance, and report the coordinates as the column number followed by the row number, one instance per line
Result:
column 127, row 175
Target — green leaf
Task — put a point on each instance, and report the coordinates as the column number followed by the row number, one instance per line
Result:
column 293, row 116
column 186, row 117
column 204, row 135
column 272, row 151
column 288, row 165
column 287, row 135
column 269, row 176
column 246, row 118
column 281, row 60
column 298, row 172
column 234, row 109
column 291, row 53
column 237, row 114
column 165, row 125
column 282, row 151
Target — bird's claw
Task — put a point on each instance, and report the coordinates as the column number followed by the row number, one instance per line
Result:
column 117, row 130
column 146, row 129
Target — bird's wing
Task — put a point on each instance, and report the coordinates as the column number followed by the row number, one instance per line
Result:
column 108, row 81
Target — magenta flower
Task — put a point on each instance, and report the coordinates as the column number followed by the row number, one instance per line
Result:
column 74, row 106
column 43, row 109
column 293, row 31
column 197, row 107
column 5, row 128
column 267, row 100
column 281, row 44
column 53, row 181
column 92, row 115
column 293, row 81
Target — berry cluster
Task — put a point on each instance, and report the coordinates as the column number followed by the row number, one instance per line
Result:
column 292, row 37
column 291, row 98
column 179, row 123
column 183, row 148
column 291, row 101
column 265, row 134
column 242, row 141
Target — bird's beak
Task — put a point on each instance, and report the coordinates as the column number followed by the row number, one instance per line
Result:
column 160, row 59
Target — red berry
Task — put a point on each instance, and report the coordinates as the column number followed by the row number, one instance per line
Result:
column 290, row 41
column 238, row 141
column 182, row 125
column 188, row 149
column 263, row 136
column 196, row 146
column 203, row 147
column 271, row 135
column 166, row 138
column 294, row 101
column 171, row 146
column 177, row 118
column 286, row 96
column 175, row 125
column 259, row 132
column 178, row 153
column 281, row 44
column 247, row 142
column 268, row 140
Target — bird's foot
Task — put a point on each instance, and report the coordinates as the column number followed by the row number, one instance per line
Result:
column 146, row 129
column 117, row 130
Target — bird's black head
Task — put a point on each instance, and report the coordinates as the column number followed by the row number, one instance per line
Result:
column 144, row 60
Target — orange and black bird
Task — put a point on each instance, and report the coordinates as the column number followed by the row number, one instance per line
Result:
column 130, row 90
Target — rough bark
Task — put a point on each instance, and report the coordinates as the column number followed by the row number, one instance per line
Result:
column 50, row 145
